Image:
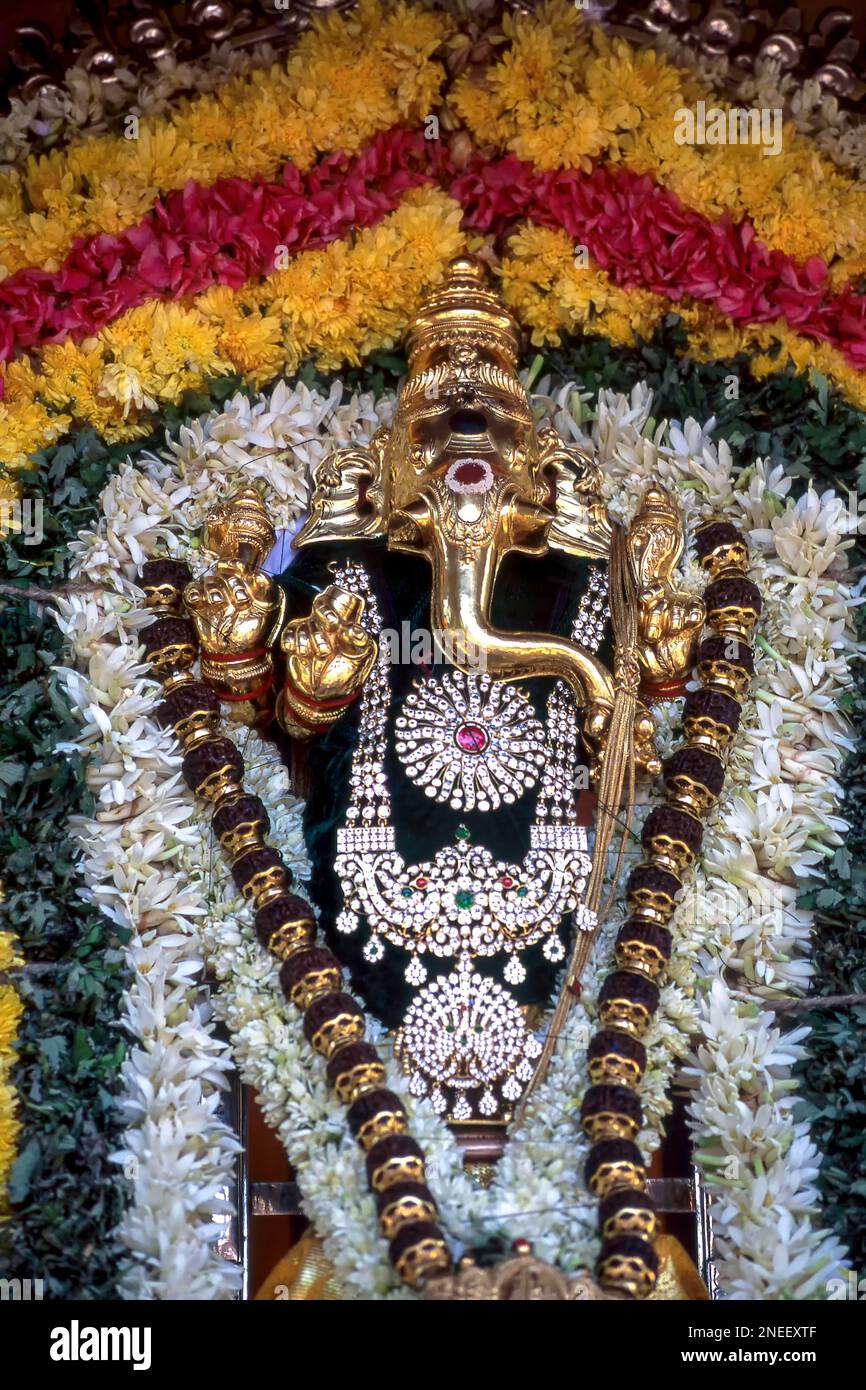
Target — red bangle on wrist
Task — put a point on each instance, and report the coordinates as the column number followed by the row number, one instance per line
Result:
column 231, row 658
column 320, row 704
column 251, row 694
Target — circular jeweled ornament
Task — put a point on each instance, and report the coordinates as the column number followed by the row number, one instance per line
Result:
column 470, row 741
column 469, row 477
column 465, row 1035
column 374, row 950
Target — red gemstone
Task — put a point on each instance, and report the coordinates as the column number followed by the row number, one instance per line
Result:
column 576, row 988
column 471, row 738
column 421, row 883
column 506, row 881
column 522, row 1246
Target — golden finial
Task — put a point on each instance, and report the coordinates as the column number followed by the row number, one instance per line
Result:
column 239, row 529
column 657, row 504
column 464, row 305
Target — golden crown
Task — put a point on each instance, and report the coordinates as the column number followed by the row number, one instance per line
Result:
column 464, row 304
column 240, row 521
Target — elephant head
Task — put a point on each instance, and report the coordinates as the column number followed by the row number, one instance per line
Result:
column 463, row 478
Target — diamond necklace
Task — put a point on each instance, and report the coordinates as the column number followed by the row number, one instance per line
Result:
column 464, row 1034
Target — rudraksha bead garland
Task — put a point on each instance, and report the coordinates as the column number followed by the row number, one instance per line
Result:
column 311, row 977
column 611, row 1112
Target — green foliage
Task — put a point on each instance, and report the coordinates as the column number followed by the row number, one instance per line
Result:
column 68, row 1194
column 834, row 1078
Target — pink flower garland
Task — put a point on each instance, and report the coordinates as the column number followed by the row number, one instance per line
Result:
column 229, row 232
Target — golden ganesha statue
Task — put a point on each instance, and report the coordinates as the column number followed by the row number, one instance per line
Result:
column 445, row 825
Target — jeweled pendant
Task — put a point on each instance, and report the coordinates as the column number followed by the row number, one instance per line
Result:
column 467, row 1034
column 488, row 1105
column 515, row 971
column 347, row 922
column 470, row 742
column 553, row 949
column 512, row 1088
column 415, row 973
column 438, row 1101
column 374, row 950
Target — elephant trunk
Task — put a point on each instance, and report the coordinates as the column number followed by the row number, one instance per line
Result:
column 461, row 593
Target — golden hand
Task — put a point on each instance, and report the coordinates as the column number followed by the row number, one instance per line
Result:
column 329, row 656
column 233, row 608
column 236, row 612
column 668, row 624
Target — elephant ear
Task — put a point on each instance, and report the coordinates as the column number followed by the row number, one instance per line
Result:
column 348, row 495
column 581, row 525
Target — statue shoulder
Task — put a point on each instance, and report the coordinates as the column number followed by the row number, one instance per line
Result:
column 581, row 525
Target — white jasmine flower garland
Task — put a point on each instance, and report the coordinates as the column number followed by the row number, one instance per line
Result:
column 149, row 858
column 141, row 849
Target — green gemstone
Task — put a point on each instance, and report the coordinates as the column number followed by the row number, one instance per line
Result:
column 407, row 892
column 464, row 898
column 462, row 832
column 522, row 892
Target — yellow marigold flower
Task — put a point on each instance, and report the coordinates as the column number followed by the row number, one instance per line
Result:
column 854, row 268
column 20, row 380
column 246, row 336
column 552, row 246
column 11, row 194
column 636, row 83
column 10, row 491
column 480, row 110
column 125, row 431
column 184, row 350
column 72, row 381
column 26, row 428
column 10, row 951
column 37, row 239
column 71, row 373
column 576, row 137
column 532, row 85
column 563, row 21
column 428, row 224
column 11, row 1009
